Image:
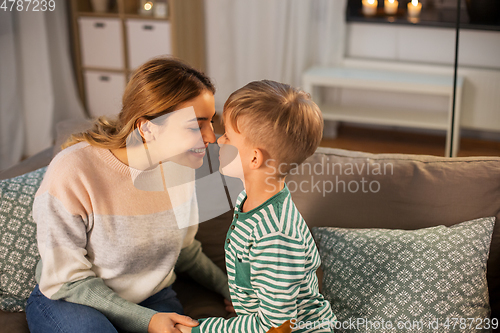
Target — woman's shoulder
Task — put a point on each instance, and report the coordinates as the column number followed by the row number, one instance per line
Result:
column 70, row 164
column 73, row 154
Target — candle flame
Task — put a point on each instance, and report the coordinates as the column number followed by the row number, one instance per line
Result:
column 371, row 2
column 148, row 5
column 414, row 2
column 391, row 1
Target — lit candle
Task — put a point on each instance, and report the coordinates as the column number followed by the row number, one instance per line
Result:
column 370, row 7
column 414, row 8
column 391, row 7
column 146, row 7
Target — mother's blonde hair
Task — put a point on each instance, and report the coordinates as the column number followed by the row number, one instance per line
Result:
column 157, row 87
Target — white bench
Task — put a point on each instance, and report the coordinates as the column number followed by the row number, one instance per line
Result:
column 381, row 80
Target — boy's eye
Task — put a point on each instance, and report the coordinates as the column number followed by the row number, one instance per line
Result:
column 212, row 121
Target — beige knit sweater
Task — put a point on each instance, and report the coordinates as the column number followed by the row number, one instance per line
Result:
column 106, row 244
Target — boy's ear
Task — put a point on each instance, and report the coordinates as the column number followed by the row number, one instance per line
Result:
column 258, row 159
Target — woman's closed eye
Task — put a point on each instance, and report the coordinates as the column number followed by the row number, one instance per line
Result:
column 199, row 126
column 196, row 128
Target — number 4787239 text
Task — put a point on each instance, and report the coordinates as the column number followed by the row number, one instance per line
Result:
column 28, row 5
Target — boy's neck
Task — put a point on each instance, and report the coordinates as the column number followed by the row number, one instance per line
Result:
column 259, row 189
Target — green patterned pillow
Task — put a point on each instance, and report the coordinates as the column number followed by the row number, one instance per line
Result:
column 18, row 249
column 426, row 280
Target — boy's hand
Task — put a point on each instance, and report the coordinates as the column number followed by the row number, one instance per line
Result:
column 285, row 328
column 166, row 323
column 229, row 306
column 183, row 329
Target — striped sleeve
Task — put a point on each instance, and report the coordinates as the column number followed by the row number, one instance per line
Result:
column 276, row 273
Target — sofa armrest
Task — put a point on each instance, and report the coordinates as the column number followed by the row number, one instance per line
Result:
column 33, row 163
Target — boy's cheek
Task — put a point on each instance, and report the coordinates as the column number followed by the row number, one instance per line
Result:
column 227, row 155
column 232, row 169
column 230, row 162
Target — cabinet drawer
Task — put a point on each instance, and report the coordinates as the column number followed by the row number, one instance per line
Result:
column 426, row 45
column 101, row 41
column 423, row 44
column 147, row 39
column 104, row 92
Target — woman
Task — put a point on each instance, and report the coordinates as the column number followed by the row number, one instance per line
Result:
column 108, row 247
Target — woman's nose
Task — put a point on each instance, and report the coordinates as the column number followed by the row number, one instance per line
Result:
column 208, row 135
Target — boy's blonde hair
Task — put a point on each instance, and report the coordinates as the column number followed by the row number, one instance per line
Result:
column 277, row 118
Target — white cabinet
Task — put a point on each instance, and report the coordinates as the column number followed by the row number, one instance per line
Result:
column 423, row 44
column 371, row 40
column 104, row 92
column 480, row 49
column 101, row 42
column 102, row 48
column 109, row 46
column 431, row 50
column 426, row 45
column 147, row 39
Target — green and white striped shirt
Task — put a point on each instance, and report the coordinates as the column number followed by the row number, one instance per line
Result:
column 271, row 261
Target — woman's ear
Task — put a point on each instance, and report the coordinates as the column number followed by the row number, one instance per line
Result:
column 145, row 129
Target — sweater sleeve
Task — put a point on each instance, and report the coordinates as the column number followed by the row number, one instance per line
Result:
column 193, row 261
column 93, row 292
column 66, row 272
column 276, row 270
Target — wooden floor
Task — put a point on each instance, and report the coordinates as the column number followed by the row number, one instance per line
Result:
column 391, row 141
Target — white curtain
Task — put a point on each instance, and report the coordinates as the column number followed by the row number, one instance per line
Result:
column 37, row 84
column 270, row 39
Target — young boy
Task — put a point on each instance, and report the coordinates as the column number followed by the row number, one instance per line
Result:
column 271, row 257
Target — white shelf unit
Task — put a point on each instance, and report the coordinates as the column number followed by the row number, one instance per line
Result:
column 143, row 37
column 108, row 47
column 391, row 81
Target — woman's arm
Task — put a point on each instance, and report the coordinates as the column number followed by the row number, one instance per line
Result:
column 126, row 315
column 65, row 272
column 193, row 261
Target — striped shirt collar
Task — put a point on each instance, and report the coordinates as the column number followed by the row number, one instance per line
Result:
column 278, row 197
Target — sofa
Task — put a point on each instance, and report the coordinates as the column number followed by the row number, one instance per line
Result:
column 374, row 194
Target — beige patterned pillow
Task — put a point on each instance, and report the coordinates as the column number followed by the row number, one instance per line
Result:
column 18, row 249
column 432, row 279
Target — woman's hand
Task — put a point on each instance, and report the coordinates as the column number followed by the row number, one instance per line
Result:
column 229, row 306
column 183, row 329
column 162, row 322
